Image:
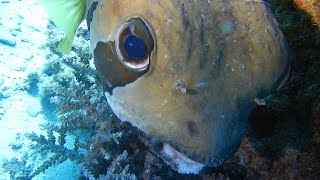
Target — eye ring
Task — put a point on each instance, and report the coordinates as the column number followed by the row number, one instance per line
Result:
column 134, row 44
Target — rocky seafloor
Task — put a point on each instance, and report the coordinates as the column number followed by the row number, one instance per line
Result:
column 56, row 124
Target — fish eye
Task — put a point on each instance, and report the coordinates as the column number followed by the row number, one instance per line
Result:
column 134, row 44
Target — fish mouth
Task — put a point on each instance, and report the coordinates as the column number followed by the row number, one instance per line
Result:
column 176, row 159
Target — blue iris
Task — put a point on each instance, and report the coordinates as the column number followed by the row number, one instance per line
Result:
column 135, row 47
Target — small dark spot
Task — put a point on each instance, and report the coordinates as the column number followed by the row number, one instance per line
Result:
column 192, row 128
column 192, row 92
column 185, row 18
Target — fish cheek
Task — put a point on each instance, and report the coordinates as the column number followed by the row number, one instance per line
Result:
column 162, row 113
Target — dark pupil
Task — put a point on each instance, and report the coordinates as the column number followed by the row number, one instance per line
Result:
column 135, row 47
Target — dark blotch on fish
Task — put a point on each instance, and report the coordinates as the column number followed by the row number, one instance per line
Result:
column 192, row 128
column 90, row 14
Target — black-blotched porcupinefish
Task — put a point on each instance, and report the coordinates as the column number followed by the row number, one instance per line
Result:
column 184, row 72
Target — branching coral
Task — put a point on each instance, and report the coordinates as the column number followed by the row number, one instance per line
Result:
column 41, row 149
column 42, row 146
column 78, row 107
column 32, row 84
column 113, row 171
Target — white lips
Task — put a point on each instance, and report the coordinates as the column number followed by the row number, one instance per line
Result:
column 183, row 164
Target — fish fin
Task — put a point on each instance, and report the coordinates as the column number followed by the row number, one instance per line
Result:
column 66, row 15
column 283, row 81
column 259, row 102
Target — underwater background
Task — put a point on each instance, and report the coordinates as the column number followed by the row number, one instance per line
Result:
column 56, row 124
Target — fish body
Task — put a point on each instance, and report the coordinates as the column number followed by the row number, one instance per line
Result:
column 199, row 65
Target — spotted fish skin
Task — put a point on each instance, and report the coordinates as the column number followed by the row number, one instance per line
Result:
column 226, row 53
